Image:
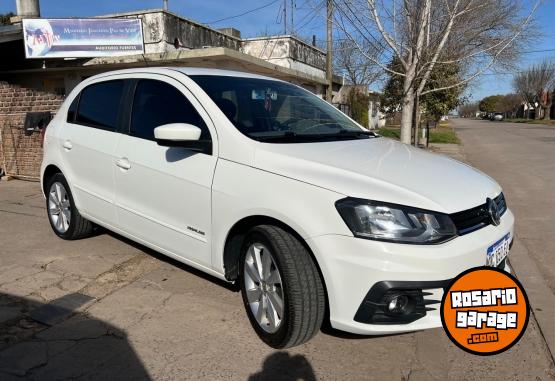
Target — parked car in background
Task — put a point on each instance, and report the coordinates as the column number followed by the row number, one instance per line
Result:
column 260, row 182
column 497, row 117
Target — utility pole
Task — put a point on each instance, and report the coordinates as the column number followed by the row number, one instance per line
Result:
column 329, row 54
column 292, row 17
column 284, row 17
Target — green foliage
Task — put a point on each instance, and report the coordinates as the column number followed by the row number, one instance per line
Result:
column 444, row 135
column 392, row 94
column 441, row 134
column 5, row 18
column 358, row 104
column 439, row 103
column 394, row 133
column 491, row 103
column 435, row 104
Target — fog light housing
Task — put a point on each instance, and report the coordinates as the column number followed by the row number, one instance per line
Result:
column 401, row 303
column 398, row 304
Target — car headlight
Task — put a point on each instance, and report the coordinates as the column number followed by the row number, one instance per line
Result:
column 395, row 223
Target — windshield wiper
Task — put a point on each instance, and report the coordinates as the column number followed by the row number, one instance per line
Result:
column 358, row 133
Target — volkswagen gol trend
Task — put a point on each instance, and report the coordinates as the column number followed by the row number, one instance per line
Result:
column 260, row 182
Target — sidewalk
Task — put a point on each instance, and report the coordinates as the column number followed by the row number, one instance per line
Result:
column 453, row 150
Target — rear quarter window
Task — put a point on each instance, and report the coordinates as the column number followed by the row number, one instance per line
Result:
column 72, row 110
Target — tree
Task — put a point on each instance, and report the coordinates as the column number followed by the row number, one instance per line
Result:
column 353, row 65
column 435, row 104
column 536, row 85
column 391, row 97
column 524, row 86
column 469, row 110
column 509, row 104
column 440, row 103
column 490, row 103
column 425, row 34
column 358, row 104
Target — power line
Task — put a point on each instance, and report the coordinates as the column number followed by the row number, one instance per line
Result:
column 538, row 51
column 244, row 13
column 310, row 16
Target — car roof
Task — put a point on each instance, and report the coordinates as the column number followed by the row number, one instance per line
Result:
column 185, row 70
column 217, row 72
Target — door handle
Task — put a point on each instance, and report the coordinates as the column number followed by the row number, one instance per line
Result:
column 123, row 163
column 67, row 145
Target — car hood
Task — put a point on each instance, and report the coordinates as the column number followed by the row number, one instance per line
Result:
column 381, row 169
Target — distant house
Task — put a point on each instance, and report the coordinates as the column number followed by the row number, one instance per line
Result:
column 341, row 99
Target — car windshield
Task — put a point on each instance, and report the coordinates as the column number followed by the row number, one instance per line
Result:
column 278, row 112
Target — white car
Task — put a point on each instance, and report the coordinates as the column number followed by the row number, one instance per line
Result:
column 260, row 182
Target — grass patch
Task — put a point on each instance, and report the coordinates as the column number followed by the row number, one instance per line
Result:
column 443, row 134
column 393, row 133
column 531, row 121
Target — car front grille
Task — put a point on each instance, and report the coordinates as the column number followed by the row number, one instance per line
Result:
column 476, row 218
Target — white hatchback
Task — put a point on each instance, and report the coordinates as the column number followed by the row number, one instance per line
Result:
column 260, row 182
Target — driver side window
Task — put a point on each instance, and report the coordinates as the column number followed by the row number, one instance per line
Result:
column 156, row 103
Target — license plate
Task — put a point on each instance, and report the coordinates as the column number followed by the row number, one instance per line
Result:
column 498, row 251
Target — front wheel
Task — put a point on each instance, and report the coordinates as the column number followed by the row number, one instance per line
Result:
column 281, row 287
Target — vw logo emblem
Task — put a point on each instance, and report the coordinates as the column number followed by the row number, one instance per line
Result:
column 493, row 212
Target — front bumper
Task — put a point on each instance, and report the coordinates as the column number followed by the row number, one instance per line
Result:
column 351, row 266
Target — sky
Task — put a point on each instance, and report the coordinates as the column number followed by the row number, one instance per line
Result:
column 268, row 19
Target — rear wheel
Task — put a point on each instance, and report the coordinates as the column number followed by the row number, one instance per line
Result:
column 281, row 287
column 64, row 217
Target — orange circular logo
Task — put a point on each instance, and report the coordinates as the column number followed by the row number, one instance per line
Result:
column 485, row 311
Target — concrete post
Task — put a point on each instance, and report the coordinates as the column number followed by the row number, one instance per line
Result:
column 28, row 8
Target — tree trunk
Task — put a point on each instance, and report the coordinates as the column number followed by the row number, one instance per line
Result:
column 547, row 113
column 416, row 119
column 406, row 118
column 538, row 112
column 407, row 108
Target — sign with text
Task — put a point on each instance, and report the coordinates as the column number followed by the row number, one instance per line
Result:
column 71, row 38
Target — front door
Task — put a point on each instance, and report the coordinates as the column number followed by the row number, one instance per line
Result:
column 163, row 194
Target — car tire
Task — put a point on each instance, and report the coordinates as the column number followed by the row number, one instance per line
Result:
column 291, row 274
column 65, row 219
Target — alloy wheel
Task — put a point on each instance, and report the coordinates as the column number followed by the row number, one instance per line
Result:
column 264, row 288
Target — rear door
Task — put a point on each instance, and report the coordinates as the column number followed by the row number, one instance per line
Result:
column 163, row 195
column 89, row 140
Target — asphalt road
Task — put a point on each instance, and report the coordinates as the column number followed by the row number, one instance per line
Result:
column 155, row 319
column 521, row 157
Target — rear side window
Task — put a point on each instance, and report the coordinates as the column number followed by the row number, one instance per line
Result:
column 72, row 110
column 99, row 105
column 157, row 103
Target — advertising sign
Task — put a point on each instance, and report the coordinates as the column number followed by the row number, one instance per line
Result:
column 59, row 38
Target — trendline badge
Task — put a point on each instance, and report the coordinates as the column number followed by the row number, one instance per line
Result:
column 485, row 311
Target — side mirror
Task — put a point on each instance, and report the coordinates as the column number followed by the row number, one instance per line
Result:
column 182, row 135
column 177, row 132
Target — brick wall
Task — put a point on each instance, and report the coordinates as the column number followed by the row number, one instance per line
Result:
column 21, row 155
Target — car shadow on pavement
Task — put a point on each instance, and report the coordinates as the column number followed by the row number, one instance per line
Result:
column 164, row 258
column 76, row 346
column 234, row 287
column 281, row 366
